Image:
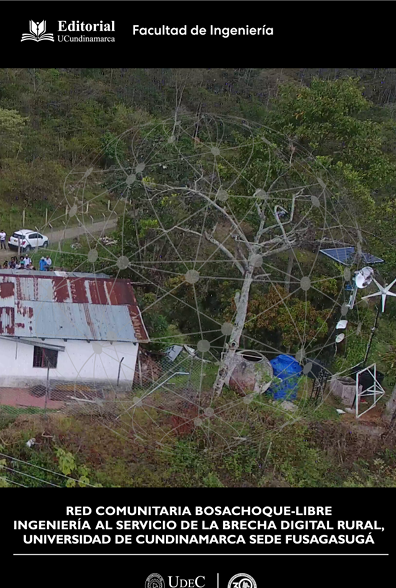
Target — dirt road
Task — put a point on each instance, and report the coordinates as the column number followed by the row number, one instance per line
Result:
column 70, row 233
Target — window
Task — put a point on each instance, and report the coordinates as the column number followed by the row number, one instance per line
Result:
column 42, row 358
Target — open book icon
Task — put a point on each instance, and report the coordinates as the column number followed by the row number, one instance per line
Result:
column 37, row 32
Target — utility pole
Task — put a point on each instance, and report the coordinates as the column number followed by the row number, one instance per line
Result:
column 47, row 388
column 374, row 328
column 119, row 371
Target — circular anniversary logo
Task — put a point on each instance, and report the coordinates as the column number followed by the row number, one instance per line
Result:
column 242, row 581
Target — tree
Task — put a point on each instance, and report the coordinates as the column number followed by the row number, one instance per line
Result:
column 250, row 254
column 332, row 119
column 391, row 405
column 11, row 130
column 258, row 224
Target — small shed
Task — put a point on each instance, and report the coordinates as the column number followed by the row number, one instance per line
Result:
column 68, row 327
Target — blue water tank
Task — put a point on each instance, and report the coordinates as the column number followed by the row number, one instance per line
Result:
column 288, row 370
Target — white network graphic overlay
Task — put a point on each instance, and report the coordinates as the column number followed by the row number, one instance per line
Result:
column 221, row 200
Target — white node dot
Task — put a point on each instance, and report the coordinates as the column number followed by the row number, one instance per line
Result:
column 315, row 201
column 347, row 274
column 172, row 139
column 122, row 262
column 192, row 276
column 248, row 399
column 203, row 345
column 261, row 194
column 222, row 195
column 359, row 248
column 344, row 309
column 300, row 355
column 226, row 328
column 137, row 401
column 73, row 210
column 305, row 283
column 215, row 151
column 359, row 329
column 130, row 179
column 96, row 347
column 140, row 167
column 112, row 336
column 92, row 255
column 198, row 422
column 321, row 183
column 209, row 412
column 88, row 172
column 257, row 260
column 307, row 368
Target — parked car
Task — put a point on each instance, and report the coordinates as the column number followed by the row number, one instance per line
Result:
column 27, row 240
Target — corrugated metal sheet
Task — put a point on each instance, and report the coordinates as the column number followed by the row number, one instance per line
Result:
column 21, row 272
column 71, row 307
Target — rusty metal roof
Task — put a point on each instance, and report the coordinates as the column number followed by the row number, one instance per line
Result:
column 71, row 306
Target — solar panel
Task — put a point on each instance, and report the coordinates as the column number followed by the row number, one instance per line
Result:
column 346, row 255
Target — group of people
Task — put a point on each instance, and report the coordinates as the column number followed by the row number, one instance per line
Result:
column 26, row 263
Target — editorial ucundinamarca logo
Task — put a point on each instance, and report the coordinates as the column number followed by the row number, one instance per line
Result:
column 38, row 32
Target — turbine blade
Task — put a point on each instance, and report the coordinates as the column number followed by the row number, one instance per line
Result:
column 390, row 285
column 371, row 295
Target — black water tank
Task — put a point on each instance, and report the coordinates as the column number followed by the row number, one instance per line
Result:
column 366, row 380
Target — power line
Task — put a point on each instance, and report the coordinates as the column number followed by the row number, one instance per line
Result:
column 44, row 469
column 29, row 476
column 12, row 482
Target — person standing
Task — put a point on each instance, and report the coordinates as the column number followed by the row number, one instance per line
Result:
column 48, row 261
column 43, row 264
column 27, row 261
column 3, row 236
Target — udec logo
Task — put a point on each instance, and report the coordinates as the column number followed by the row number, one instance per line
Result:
column 177, row 582
column 242, row 581
column 157, row 581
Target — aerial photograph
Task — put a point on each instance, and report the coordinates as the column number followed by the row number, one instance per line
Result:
column 197, row 278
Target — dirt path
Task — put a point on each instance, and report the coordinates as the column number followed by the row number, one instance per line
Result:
column 71, row 233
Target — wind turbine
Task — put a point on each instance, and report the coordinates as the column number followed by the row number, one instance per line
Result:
column 383, row 292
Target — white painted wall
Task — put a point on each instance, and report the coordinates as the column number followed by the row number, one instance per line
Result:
column 96, row 361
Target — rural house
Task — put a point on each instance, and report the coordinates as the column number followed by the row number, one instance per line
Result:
column 83, row 327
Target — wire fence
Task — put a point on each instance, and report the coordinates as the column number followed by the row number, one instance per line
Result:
column 170, row 386
column 186, row 374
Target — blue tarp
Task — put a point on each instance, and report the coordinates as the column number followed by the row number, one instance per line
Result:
column 288, row 370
